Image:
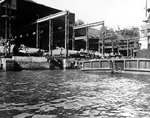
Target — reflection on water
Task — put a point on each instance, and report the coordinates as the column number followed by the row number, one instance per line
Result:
column 73, row 94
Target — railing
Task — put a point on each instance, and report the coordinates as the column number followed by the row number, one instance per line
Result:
column 137, row 64
column 117, row 64
column 102, row 64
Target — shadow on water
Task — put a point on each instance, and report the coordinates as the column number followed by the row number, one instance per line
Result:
column 73, row 94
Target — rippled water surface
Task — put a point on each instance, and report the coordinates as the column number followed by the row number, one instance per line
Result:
column 73, row 94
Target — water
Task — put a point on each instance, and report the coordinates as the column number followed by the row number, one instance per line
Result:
column 73, row 94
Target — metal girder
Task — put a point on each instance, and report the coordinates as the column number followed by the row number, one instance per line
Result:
column 53, row 16
column 89, row 25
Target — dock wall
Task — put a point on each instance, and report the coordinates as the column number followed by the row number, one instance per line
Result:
column 32, row 63
column 36, row 63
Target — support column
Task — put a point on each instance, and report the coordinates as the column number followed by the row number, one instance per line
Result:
column 50, row 37
column 103, row 44
column 112, row 43
column 66, row 33
column 99, row 43
column 87, row 40
column 9, row 28
column 6, row 27
column 73, row 39
column 118, row 51
column 127, row 47
column 131, row 52
column 37, row 35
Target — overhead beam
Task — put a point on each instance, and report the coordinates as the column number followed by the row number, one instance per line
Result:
column 89, row 25
column 80, row 37
column 53, row 16
column 1, row 1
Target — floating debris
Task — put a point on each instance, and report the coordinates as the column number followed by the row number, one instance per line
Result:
column 34, row 107
column 58, row 100
column 44, row 116
column 47, row 108
column 18, row 104
column 3, row 106
column 18, row 108
column 17, row 84
column 23, row 115
column 73, row 105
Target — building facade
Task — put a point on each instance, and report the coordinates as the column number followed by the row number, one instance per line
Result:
column 145, row 36
column 145, row 33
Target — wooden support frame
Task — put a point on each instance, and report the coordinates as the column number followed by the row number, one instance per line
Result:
column 50, row 18
column 87, row 28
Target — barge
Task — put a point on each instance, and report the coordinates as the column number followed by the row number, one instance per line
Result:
column 135, row 65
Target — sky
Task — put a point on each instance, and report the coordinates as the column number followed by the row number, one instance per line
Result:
column 115, row 13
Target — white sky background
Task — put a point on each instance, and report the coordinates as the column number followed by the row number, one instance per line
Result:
column 122, row 13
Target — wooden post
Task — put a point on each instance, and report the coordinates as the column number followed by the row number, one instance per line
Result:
column 112, row 43
column 137, row 63
column 127, row 47
column 73, row 39
column 99, row 47
column 50, row 37
column 103, row 35
column 9, row 27
column 6, row 27
column 87, row 40
column 103, row 45
column 118, row 51
column 66, row 33
column 124, row 64
column 131, row 52
column 37, row 35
